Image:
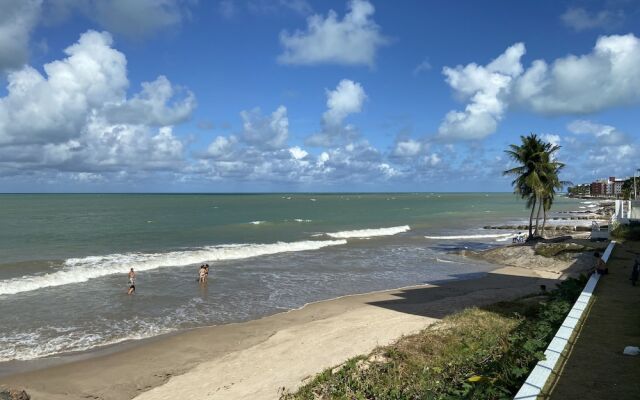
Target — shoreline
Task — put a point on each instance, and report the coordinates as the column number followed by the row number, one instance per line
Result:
column 156, row 364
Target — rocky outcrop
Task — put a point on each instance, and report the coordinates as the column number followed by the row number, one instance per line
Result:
column 555, row 249
column 13, row 394
column 565, row 228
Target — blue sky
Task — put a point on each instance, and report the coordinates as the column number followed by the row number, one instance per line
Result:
column 297, row 95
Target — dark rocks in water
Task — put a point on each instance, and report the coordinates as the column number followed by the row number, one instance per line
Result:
column 13, row 394
column 569, row 228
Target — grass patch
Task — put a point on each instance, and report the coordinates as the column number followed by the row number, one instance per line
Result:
column 474, row 354
column 627, row 231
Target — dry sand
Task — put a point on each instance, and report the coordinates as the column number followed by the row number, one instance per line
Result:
column 256, row 359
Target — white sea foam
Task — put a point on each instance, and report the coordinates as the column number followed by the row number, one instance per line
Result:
column 483, row 236
column 76, row 270
column 367, row 233
column 302, row 220
column 257, row 222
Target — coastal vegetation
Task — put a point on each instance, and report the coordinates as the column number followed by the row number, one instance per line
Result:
column 536, row 177
column 626, row 231
column 478, row 353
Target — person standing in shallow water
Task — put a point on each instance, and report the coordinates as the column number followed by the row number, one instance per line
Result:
column 132, row 282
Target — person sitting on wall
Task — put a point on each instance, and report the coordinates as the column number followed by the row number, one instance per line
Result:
column 600, row 266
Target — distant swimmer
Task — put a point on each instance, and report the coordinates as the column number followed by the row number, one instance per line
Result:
column 202, row 274
column 206, row 272
column 132, row 282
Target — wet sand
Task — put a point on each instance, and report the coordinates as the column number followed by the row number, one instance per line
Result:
column 257, row 359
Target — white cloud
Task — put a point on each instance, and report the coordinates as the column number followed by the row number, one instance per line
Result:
column 298, row 153
column 77, row 116
column 347, row 98
column 55, row 107
column 486, row 88
column 606, row 134
column 432, row 159
column 151, row 105
column 133, row 19
column 551, row 138
column 608, row 76
column 580, row 19
column 353, row 40
column 595, row 151
column 265, row 132
column 221, row 146
column 407, row 148
column 17, row 19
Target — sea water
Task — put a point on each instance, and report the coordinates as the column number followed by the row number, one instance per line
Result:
column 64, row 258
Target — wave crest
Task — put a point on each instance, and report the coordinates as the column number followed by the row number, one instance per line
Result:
column 366, row 233
column 77, row 270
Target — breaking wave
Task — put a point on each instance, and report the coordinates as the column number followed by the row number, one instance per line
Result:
column 76, row 270
column 366, row 233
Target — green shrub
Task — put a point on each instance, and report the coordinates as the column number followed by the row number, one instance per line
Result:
column 626, row 231
column 473, row 354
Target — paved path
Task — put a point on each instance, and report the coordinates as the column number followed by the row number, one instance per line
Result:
column 596, row 368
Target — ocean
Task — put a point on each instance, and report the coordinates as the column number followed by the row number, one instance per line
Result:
column 64, row 258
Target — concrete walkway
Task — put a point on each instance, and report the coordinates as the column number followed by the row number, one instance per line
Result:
column 596, row 368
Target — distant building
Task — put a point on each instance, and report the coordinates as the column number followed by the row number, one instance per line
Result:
column 611, row 187
column 598, row 189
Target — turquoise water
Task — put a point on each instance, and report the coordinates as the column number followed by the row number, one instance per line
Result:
column 64, row 257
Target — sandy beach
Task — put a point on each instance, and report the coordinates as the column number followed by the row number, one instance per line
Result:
column 257, row 359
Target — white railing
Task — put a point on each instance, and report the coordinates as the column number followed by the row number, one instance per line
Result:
column 541, row 375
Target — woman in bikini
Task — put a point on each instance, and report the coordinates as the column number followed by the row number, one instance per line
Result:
column 132, row 282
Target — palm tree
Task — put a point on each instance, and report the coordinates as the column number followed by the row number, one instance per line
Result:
column 536, row 175
column 553, row 183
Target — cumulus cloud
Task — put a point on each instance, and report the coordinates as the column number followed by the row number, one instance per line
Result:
column 487, row 89
column 346, row 99
column 77, row 117
column 156, row 104
column 133, row 19
column 354, row 40
column 221, row 147
column 265, row 132
column 407, row 148
column 580, row 19
column 298, row 153
column 608, row 76
column 551, row 138
column 17, row 19
column 54, row 107
column 605, row 134
column 590, row 147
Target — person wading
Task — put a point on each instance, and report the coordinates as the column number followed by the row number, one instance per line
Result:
column 132, row 282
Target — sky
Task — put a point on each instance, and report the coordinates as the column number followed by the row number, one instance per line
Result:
column 311, row 96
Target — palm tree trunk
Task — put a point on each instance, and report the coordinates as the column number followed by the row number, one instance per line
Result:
column 544, row 221
column 533, row 208
column 540, row 202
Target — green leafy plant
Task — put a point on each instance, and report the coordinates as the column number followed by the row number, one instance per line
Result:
column 474, row 354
